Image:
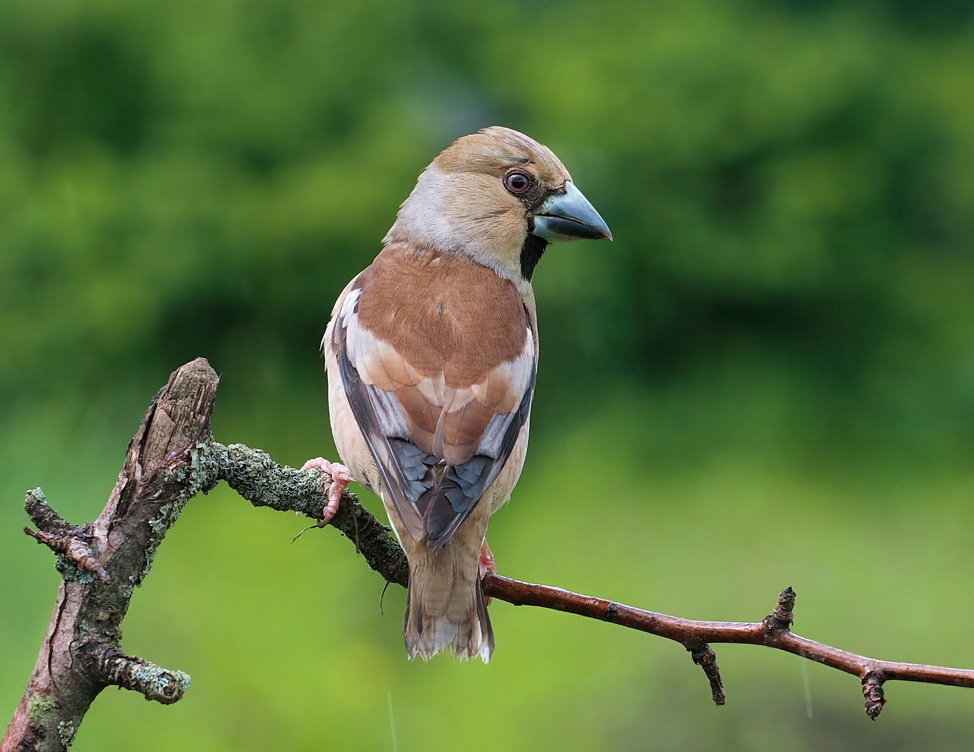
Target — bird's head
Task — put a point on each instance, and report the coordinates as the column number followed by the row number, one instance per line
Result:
column 500, row 198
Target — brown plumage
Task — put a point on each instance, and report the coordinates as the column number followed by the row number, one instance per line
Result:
column 431, row 356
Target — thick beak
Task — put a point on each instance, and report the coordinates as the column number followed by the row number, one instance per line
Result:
column 569, row 216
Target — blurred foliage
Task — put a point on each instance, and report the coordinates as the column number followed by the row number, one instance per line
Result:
column 769, row 375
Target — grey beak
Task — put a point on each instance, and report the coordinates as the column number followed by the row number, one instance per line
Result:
column 569, row 216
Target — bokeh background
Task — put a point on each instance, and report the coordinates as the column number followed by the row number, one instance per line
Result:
column 766, row 380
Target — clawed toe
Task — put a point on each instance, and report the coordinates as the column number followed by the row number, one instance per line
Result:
column 339, row 478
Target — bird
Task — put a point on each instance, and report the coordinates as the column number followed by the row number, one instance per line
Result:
column 431, row 356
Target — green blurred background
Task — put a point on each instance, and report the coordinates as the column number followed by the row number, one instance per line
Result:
column 766, row 380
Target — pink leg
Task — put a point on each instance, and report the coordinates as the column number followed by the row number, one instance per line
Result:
column 339, row 476
column 486, row 564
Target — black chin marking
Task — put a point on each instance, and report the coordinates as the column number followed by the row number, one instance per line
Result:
column 531, row 253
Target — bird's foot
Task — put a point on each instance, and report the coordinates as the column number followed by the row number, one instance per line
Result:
column 340, row 476
column 486, row 564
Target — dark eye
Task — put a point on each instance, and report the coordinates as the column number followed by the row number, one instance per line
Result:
column 517, row 182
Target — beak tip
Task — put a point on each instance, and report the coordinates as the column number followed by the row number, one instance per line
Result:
column 600, row 231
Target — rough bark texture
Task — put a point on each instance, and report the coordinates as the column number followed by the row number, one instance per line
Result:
column 103, row 561
column 172, row 458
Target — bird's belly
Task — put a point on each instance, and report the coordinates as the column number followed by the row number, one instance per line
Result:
column 500, row 490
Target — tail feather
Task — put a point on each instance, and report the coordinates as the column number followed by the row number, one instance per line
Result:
column 446, row 610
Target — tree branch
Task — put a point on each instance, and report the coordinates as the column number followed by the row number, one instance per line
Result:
column 102, row 562
column 172, row 458
column 772, row 632
column 264, row 483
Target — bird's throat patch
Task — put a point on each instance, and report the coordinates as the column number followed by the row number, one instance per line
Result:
column 531, row 253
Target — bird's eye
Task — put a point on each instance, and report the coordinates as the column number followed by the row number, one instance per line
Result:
column 517, row 182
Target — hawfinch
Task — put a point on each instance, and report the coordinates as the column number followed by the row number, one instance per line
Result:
column 431, row 356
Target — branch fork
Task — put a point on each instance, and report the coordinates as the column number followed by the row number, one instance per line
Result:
column 69, row 541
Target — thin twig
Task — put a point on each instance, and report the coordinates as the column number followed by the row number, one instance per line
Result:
column 691, row 632
column 705, row 657
column 74, row 550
